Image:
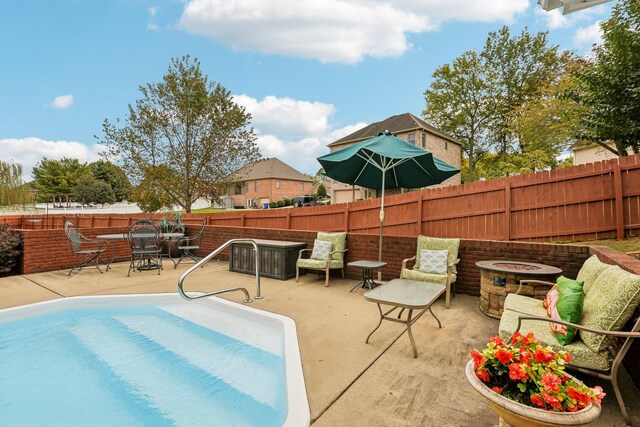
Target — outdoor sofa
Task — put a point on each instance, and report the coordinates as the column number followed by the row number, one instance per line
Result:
column 611, row 298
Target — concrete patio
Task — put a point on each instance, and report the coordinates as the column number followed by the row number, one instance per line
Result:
column 349, row 383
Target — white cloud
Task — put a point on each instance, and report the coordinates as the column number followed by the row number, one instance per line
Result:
column 301, row 154
column 62, row 101
column 287, row 117
column 29, row 151
column 333, row 30
column 153, row 11
column 554, row 19
column 587, row 36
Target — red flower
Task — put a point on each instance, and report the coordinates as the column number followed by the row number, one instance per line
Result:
column 537, row 400
column 541, row 356
column 530, row 339
column 516, row 372
column 550, row 382
column 478, row 359
column 567, row 357
column 525, row 356
column 504, row 356
column 572, row 408
column 483, row 375
column 516, row 337
column 551, row 400
column 497, row 389
column 496, row 340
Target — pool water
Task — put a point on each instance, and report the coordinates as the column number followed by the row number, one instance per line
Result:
column 134, row 365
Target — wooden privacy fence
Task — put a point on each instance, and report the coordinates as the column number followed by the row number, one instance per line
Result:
column 596, row 200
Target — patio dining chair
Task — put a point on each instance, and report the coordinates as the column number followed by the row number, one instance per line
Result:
column 91, row 249
column 189, row 244
column 144, row 239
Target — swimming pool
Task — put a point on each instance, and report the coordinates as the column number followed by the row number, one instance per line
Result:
column 149, row 360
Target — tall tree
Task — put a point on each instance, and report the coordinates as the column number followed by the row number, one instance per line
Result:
column 546, row 124
column 90, row 190
column 188, row 125
column 610, row 86
column 12, row 190
column 113, row 175
column 58, row 176
column 521, row 65
column 461, row 102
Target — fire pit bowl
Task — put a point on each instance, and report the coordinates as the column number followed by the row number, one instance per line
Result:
column 502, row 277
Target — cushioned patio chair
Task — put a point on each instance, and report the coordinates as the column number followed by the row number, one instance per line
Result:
column 189, row 244
column 611, row 297
column 322, row 259
column 445, row 275
column 91, row 249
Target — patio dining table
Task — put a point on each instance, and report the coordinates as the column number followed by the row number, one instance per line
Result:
column 125, row 236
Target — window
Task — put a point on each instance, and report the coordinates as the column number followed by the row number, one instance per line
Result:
column 278, row 184
column 412, row 138
column 302, row 185
column 255, row 185
column 238, row 189
column 424, row 140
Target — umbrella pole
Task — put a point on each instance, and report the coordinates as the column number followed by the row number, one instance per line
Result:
column 381, row 225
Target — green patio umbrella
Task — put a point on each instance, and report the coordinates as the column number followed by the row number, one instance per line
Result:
column 385, row 161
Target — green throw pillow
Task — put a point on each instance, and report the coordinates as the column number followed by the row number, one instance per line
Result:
column 567, row 306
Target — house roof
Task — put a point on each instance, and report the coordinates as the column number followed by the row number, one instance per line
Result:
column 269, row 168
column 394, row 124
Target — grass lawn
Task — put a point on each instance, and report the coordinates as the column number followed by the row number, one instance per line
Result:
column 209, row 210
column 630, row 244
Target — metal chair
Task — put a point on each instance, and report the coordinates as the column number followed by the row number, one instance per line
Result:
column 144, row 239
column 91, row 249
column 188, row 244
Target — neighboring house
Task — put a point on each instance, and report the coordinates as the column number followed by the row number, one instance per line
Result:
column 589, row 153
column 410, row 128
column 268, row 180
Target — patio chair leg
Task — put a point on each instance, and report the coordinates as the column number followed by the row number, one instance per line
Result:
column 297, row 272
column 342, row 269
column 616, row 390
column 326, row 280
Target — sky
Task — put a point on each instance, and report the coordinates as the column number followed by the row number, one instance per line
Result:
column 309, row 71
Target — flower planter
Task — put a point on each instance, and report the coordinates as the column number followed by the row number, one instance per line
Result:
column 518, row 415
column 170, row 247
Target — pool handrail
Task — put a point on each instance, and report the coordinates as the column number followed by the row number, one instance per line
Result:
column 211, row 255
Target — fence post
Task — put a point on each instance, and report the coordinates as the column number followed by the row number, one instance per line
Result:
column 507, row 209
column 617, row 186
column 419, row 222
column 346, row 217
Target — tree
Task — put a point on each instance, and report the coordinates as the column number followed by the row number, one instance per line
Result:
column 149, row 197
column 12, row 190
column 461, row 102
column 520, row 66
column 90, row 190
column 57, row 176
column 321, row 192
column 188, row 125
column 609, row 88
column 114, row 176
column 547, row 124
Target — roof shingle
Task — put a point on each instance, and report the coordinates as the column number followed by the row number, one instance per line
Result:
column 269, row 168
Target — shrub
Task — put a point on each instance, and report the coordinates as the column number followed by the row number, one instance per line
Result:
column 273, row 205
column 287, row 202
column 10, row 241
column 280, row 203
